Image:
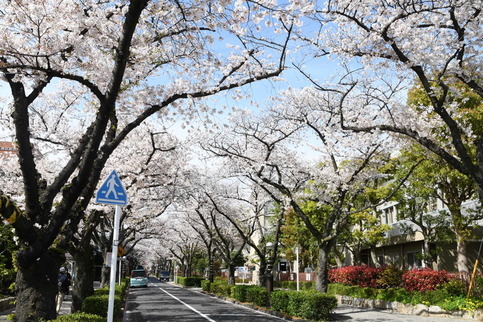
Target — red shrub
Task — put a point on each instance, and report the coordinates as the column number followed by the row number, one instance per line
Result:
column 363, row 276
column 424, row 279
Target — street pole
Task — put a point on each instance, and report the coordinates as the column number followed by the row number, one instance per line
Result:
column 297, row 271
column 269, row 278
column 112, row 284
column 175, row 273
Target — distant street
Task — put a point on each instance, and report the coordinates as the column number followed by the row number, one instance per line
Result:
column 162, row 301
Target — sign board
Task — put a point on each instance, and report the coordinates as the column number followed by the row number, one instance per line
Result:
column 112, row 191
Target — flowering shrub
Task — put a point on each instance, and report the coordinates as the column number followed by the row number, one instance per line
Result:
column 363, row 275
column 391, row 277
column 423, row 279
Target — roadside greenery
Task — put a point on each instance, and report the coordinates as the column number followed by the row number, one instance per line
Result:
column 418, row 286
column 306, row 304
column 189, row 281
column 95, row 307
column 7, row 270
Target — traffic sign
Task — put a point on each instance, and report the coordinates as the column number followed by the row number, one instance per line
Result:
column 112, row 191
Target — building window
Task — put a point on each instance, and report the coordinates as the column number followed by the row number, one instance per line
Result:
column 380, row 259
column 414, row 260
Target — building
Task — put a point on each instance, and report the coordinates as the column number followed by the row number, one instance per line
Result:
column 403, row 246
column 7, row 149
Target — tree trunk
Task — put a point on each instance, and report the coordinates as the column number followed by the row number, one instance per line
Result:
column 322, row 281
column 83, row 284
column 36, row 288
column 374, row 260
column 262, row 273
column 231, row 274
column 105, row 275
column 211, row 269
column 427, row 256
column 462, row 258
column 339, row 259
column 357, row 255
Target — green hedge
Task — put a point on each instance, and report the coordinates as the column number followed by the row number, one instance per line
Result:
column 292, row 285
column 242, row 293
column 307, row 304
column 257, row 295
column 239, row 292
column 448, row 297
column 221, row 288
column 81, row 316
column 206, row 285
column 98, row 305
column 190, row 281
column 119, row 289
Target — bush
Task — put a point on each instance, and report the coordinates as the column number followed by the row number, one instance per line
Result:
column 81, row 316
column 363, row 292
column 391, row 277
column 425, row 279
column 221, row 288
column 455, row 287
column 239, row 292
column 394, row 294
column 190, row 281
column 119, row 289
column 363, row 276
column 307, row 305
column 292, row 285
column 279, row 300
column 7, row 278
column 289, row 285
column 206, row 285
column 307, row 286
column 257, row 295
column 98, row 305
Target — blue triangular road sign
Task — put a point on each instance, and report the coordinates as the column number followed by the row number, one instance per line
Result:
column 112, row 191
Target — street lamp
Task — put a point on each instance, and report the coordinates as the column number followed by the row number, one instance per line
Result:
column 297, row 249
column 269, row 278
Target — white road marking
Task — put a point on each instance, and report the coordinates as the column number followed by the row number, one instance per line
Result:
column 187, row 305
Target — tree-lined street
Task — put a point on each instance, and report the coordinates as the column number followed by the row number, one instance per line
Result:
column 242, row 131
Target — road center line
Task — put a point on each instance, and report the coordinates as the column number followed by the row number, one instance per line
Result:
column 187, row 305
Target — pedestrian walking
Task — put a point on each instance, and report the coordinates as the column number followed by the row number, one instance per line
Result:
column 63, row 285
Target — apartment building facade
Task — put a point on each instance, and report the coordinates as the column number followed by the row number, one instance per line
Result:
column 403, row 245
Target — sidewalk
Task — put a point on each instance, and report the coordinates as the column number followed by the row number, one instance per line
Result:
column 64, row 309
column 345, row 312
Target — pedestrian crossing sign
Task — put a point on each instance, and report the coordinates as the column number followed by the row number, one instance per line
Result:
column 112, row 191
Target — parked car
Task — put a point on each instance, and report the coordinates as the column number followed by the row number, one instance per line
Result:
column 164, row 276
column 138, row 278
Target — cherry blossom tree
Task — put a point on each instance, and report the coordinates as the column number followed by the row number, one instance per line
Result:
column 438, row 44
column 324, row 193
column 118, row 63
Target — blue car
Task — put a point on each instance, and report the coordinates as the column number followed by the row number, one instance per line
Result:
column 164, row 276
column 139, row 278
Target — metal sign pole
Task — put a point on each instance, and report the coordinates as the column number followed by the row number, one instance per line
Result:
column 297, row 271
column 112, row 284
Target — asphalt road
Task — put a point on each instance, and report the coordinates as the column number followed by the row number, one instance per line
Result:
column 162, row 301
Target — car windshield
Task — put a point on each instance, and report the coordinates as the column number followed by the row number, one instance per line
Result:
column 138, row 274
